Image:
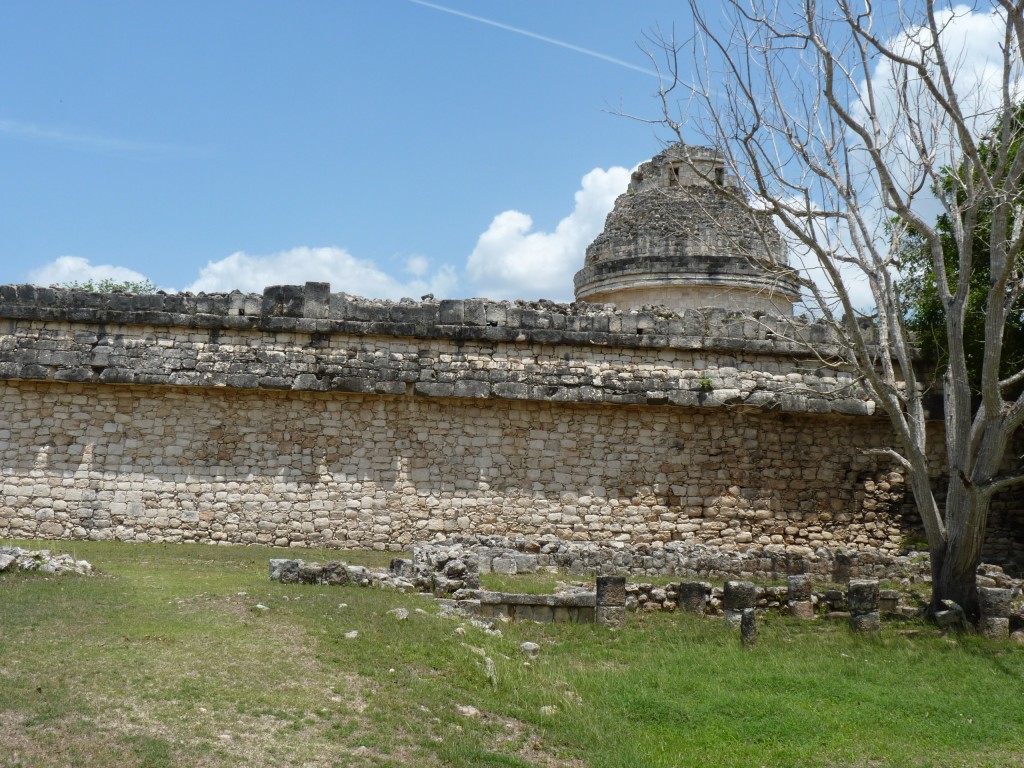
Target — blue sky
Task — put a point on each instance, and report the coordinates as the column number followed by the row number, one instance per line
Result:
column 390, row 147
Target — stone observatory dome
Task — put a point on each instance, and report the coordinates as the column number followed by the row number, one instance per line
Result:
column 676, row 240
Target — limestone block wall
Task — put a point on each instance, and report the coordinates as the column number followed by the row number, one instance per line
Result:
column 306, row 339
column 303, row 417
column 174, row 463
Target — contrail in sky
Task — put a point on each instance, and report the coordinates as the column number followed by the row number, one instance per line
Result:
column 33, row 132
column 535, row 36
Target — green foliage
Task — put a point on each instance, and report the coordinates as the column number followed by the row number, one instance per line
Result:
column 108, row 285
column 919, row 290
column 528, row 584
column 913, row 542
column 927, row 317
column 152, row 752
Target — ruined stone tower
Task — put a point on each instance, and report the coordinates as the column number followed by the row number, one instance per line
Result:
column 675, row 239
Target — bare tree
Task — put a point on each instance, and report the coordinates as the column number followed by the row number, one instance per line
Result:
column 851, row 124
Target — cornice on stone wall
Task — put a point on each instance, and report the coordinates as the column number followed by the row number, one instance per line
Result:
column 312, row 308
column 307, row 338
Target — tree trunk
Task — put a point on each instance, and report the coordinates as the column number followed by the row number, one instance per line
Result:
column 955, row 562
column 954, row 553
column 954, row 577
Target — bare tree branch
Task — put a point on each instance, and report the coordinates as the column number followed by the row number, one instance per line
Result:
column 848, row 122
column 894, row 455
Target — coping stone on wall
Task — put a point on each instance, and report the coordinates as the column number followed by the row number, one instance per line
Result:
column 105, row 323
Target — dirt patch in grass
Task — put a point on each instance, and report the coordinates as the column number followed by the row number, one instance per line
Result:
column 237, row 687
column 510, row 736
column 521, row 740
column 205, row 738
column 136, row 735
column 64, row 742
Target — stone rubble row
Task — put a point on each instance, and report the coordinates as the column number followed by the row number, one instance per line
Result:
column 510, row 555
column 452, row 573
column 19, row 559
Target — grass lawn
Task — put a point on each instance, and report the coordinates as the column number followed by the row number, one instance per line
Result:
column 164, row 660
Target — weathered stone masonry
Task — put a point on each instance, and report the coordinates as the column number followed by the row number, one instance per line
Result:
column 305, row 417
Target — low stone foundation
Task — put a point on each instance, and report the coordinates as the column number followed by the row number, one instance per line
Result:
column 452, row 571
column 575, row 608
column 526, row 554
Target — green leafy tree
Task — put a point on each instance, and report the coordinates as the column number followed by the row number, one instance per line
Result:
column 926, row 316
column 919, row 288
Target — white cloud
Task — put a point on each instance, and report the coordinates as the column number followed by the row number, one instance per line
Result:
column 75, row 269
column 417, row 265
column 972, row 43
column 510, row 261
column 336, row 266
column 854, row 281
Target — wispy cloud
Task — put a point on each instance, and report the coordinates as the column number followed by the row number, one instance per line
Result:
column 42, row 134
column 535, row 36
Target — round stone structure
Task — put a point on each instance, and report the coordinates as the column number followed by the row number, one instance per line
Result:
column 683, row 236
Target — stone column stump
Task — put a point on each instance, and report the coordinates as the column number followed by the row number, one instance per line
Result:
column 799, row 597
column 862, row 599
column 693, row 597
column 889, row 601
column 610, row 601
column 994, row 605
column 748, row 628
column 738, row 596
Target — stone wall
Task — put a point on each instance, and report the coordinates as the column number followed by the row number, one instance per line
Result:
column 451, row 572
column 307, row 339
column 308, row 418
column 309, row 468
